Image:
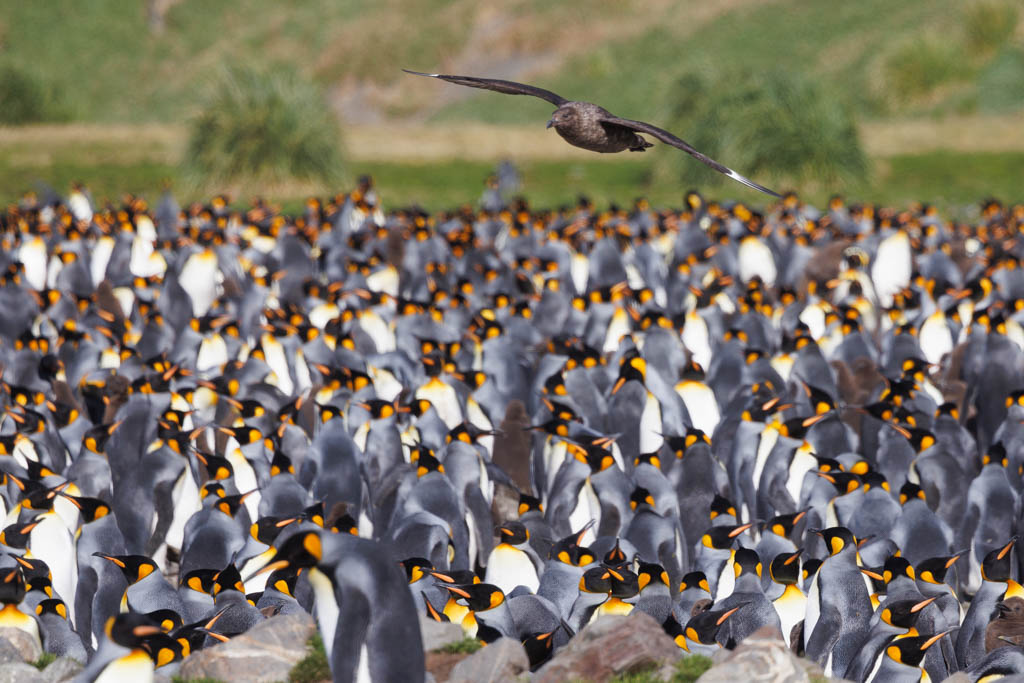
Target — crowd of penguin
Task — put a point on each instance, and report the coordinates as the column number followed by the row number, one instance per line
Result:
column 518, row 421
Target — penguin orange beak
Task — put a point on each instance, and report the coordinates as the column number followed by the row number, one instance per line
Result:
column 273, row 566
column 921, row 605
column 721, row 619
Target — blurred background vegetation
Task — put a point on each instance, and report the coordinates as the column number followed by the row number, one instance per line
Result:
column 879, row 101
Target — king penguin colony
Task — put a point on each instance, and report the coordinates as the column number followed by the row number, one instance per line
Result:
column 518, row 421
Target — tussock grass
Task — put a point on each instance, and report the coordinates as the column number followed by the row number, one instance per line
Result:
column 919, row 66
column 988, row 24
column 27, row 98
column 765, row 125
column 263, row 127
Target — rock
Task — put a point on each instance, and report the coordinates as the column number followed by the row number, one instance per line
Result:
column 62, row 669
column 503, row 660
column 20, row 672
column 611, row 646
column 26, row 645
column 439, row 633
column 266, row 652
column 762, row 656
column 9, row 652
column 958, row 677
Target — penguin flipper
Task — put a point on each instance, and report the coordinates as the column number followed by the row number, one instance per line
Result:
column 825, row 636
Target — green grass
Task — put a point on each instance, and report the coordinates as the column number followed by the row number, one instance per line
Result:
column 950, row 180
column 687, row 670
column 314, row 666
column 690, row 668
column 466, row 646
column 45, row 660
column 840, row 42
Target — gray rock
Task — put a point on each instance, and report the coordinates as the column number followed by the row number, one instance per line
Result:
column 9, row 652
column 762, row 656
column 266, row 652
column 439, row 633
column 503, row 660
column 958, row 677
column 62, row 669
column 611, row 646
column 20, row 672
column 26, row 645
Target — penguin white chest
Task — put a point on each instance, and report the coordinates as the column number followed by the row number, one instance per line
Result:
column 508, row 567
column 756, row 259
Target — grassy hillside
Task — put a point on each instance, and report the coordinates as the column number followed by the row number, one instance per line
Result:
column 625, row 53
column 927, row 79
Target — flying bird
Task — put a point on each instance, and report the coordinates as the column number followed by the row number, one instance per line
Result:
column 592, row 127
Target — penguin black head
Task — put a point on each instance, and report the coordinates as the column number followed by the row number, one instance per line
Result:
column 91, row 509
column 168, row 619
column 284, row 580
column 652, row 459
column 837, row 538
column 134, row 567
column 783, row 525
column 996, row 455
column 811, row 568
column 267, row 529
column 785, row 568
column 300, row 550
column 703, row 627
column 281, row 464
column 872, row 479
column 596, row 580
column 217, row 468
column 230, row 505
column 911, row 651
column 680, row 445
column 478, row 597
column 903, row 613
column 641, row 497
column 131, row 629
column 16, row 535
column 416, row 568
column 997, row 566
column 12, row 586
column 513, row 533
column 722, row 537
column 746, row 562
column 910, row 491
column 934, row 569
column 228, row 578
column 651, row 574
column 721, row 506
column 426, row 461
column 624, row 583
column 896, row 567
column 529, row 504
column 539, row 648
column 844, row 482
column 631, row 367
column 695, row 580
column 615, row 557
column 52, row 606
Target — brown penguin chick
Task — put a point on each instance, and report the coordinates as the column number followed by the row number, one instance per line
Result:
column 594, row 128
column 824, row 265
column 1007, row 628
column 512, row 446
